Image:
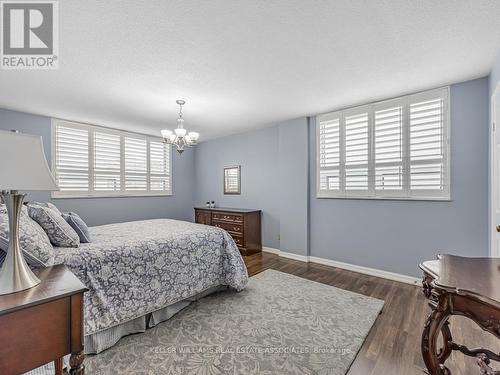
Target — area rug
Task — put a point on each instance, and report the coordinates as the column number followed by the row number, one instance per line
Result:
column 280, row 324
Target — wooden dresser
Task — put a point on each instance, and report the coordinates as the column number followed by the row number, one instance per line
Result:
column 242, row 224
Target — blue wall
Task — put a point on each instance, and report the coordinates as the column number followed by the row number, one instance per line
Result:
column 257, row 153
column 383, row 234
column 396, row 235
column 98, row 211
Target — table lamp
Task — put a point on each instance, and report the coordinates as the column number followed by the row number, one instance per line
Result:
column 22, row 167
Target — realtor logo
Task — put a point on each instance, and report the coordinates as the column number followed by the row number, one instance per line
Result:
column 29, row 37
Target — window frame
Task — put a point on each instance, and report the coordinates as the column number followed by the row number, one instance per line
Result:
column 91, row 193
column 406, row 193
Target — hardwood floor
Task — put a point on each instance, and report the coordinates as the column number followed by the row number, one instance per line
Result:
column 393, row 345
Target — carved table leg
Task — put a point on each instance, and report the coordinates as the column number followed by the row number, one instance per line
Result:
column 437, row 322
column 76, row 364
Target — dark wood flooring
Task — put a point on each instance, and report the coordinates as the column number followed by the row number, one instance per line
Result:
column 393, row 345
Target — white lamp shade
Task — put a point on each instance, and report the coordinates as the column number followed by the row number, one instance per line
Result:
column 165, row 133
column 180, row 132
column 194, row 136
column 23, row 165
column 172, row 137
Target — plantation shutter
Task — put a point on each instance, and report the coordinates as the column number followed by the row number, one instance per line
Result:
column 393, row 149
column 107, row 161
column 136, row 164
column 388, row 147
column 329, row 154
column 356, row 152
column 159, row 154
column 428, row 144
column 71, row 157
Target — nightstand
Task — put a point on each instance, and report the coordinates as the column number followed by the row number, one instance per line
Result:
column 43, row 324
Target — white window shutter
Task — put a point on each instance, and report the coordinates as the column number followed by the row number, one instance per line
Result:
column 397, row 148
column 136, row 164
column 388, row 145
column 107, row 161
column 329, row 154
column 71, row 155
column 159, row 154
column 93, row 161
column 428, row 144
column 357, row 149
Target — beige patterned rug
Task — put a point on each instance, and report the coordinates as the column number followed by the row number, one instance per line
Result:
column 280, row 324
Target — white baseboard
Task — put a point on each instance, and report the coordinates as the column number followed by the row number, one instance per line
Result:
column 271, row 250
column 346, row 266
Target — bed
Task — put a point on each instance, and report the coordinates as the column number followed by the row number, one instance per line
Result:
column 140, row 273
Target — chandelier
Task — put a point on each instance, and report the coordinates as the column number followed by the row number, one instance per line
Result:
column 180, row 137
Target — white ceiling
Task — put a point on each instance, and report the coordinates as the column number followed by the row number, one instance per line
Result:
column 244, row 64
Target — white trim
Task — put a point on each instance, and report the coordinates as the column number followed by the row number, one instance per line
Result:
column 367, row 271
column 271, row 250
column 494, row 252
column 301, row 258
column 346, row 266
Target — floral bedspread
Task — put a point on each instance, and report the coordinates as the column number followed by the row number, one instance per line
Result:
column 138, row 267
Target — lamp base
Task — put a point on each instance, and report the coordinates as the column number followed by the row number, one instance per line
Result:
column 15, row 274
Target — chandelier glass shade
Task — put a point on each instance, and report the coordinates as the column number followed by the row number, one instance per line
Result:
column 180, row 137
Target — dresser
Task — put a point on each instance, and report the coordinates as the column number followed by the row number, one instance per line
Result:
column 242, row 224
column 43, row 324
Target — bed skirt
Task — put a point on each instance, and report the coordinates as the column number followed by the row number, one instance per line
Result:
column 100, row 341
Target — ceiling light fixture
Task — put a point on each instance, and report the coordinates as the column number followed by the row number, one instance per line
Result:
column 180, row 137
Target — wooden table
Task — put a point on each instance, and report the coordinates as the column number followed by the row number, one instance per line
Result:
column 43, row 324
column 468, row 287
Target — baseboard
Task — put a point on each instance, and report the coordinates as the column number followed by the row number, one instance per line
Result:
column 367, row 271
column 271, row 250
column 346, row 266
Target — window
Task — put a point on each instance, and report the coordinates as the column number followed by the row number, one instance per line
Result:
column 91, row 161
column 393, row 149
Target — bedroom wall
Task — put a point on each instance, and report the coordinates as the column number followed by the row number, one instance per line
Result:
column 382, row 234
column 97, row 211
column 396, row 235
column 257, row 153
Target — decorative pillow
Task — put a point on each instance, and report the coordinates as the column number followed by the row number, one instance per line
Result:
column 34, row 242
column 58, row 230
column 80, row 227
column 47, row 204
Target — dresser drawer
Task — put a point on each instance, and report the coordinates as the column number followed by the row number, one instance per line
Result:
column 232, row 218
column 238, row 239
column 230, row 227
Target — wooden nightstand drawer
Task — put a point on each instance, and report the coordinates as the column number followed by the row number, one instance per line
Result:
column 43, row 324
column 32, row 328
column 230, row 227
column 228, row 217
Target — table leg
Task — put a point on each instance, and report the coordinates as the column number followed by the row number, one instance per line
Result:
column 76, row 364
column 434, row 357
column 58, row 366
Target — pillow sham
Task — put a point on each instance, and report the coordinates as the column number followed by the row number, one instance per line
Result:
column 47, row 204
column 34, row 242
column 58, row 230
column 80, row 227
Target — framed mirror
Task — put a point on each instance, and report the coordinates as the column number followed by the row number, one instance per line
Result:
column 232, row 179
